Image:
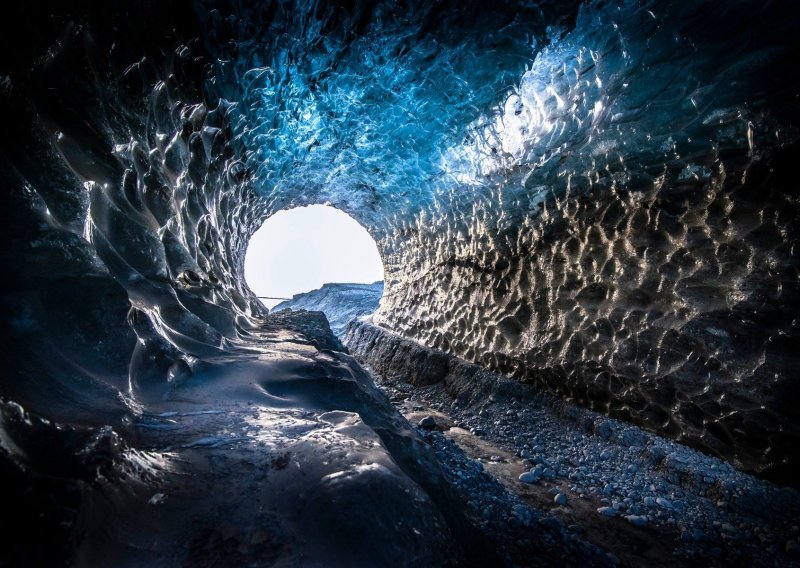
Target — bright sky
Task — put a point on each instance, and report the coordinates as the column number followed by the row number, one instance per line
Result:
column 297, row 250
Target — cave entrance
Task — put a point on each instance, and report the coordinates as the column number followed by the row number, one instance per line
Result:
column 298, row 250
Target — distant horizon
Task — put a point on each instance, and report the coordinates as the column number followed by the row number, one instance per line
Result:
column 332, row 284
column 299, row 250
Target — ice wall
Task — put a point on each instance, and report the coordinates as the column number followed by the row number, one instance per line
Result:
column 596, row 199
column 629, row 239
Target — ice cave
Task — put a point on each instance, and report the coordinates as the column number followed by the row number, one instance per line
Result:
column 585, row 345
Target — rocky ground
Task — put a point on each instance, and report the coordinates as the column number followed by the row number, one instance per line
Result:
column 524, row 461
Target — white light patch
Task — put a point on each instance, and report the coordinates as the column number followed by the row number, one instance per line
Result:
column 297, row 250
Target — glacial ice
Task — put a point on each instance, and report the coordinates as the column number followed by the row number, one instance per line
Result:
column 596, row 198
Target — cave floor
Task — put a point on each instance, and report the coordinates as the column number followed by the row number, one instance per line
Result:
column 644, row 505
column 278, row 456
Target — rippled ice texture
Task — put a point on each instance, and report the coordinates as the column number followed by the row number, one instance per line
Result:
column 597, row 199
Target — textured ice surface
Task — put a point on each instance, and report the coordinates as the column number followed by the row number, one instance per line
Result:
column 600, row 199
column 603, row 207
column 276, row 457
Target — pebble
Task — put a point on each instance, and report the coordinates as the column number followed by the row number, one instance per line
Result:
column 157, row 499
column 429, row 423
column 666, row 503
column 552, row 522
column 604, row 430
column 607, row 511
column 529, row 477
column 636, row 520
column 560, row 499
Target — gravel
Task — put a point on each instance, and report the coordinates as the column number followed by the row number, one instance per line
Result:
column 518, row 530
column 643, row 478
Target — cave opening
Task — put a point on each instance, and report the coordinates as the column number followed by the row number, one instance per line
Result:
column 301, row 249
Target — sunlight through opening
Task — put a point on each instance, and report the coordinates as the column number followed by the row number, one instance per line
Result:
column 298, row 250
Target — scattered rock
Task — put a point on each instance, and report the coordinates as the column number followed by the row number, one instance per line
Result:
column 636, row 520
column 645, row 480
column 632, row 437
column 604, row 429
column 560, row 499
column 656, row 455
column 666, row 503
column 429, row 423
column 157, row 499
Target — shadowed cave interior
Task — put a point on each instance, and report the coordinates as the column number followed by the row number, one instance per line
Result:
column 584, row 351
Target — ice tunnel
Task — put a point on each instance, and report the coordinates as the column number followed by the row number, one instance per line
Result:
column 586, row 349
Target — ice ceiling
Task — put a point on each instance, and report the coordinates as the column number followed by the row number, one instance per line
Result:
column 597, row 198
